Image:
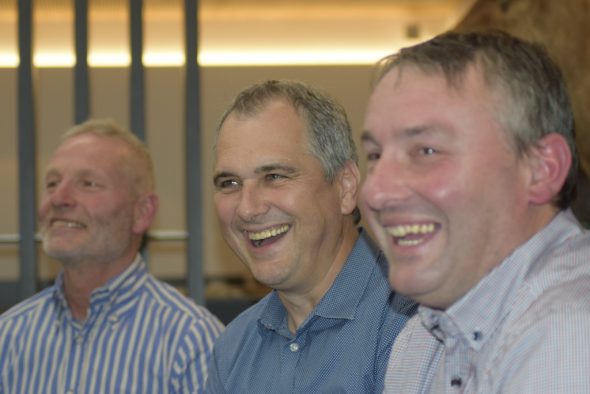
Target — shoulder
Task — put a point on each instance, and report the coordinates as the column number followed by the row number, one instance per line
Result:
column 23, row 318
column 175, row 306
column 547, row 343
column 28, row 306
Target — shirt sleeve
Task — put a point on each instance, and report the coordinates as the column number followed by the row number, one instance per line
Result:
column 190, row 368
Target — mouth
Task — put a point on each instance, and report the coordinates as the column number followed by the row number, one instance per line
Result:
column 63, row 223
column 267, row 236
column 411, row 234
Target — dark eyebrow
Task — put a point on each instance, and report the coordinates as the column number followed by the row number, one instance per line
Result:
column 367, row 137
column 274, row 167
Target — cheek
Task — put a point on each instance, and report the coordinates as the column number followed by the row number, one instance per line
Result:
column 454, row 187
column 44, row 205
column 224, row 209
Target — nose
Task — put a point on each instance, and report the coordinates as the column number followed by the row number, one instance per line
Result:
column 252, row 202
column 386, row 185
column 61, row 196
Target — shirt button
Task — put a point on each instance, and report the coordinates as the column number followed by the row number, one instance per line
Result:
column 456, row 382
column 294, row 347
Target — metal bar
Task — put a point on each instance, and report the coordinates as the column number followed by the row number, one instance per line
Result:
column 81, row 96
column 152, row 235
column 137, row 93
column 193, row 157
column 26, row 153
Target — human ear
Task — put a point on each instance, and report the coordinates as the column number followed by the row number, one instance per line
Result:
column 551, row 160
column 145, row 210
column 349, row 180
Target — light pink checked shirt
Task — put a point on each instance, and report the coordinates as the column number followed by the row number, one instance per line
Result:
column 525, row 328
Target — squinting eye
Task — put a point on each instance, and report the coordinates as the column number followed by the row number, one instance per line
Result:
column 89, row 183
column 374, row 156
column 227, row 184
column 427, row 151
column 274, row 177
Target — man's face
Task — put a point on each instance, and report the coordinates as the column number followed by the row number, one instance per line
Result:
column 276, row 210
column 87, row 208
column 445, row 192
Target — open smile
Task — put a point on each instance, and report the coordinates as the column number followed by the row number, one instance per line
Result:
column 411, row 234
column 63, row 223
column 264, row 237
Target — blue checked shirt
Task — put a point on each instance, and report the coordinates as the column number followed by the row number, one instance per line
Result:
column 525, row 327
column 140, row 336
column 342, row 347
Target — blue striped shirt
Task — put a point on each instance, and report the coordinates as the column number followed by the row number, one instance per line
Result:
column 523, row 329
column 140, row 336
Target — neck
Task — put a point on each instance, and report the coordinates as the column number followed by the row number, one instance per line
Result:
column 301, row 302
column 82, row 279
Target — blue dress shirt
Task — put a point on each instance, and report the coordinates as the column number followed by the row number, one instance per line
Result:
column 343, row 346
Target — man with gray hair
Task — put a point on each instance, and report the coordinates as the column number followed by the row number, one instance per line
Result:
column 471, row 170
column 286, row 182
column 106, row 325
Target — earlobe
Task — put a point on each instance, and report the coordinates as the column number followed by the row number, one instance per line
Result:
column 551, row 160
column 145, row 212
column 349, row 179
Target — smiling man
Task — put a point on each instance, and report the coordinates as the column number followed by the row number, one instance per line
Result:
column 471, row 168
column 107, row 325
column 286, row 182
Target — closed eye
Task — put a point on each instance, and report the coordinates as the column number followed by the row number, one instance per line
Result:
column 50, row 184
column 373, row 156
column 90, row 184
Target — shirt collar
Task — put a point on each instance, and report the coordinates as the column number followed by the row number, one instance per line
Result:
column 117, row 290
column 498, row 292
column 339, row 302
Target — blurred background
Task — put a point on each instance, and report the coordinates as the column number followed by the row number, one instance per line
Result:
column 136, row 72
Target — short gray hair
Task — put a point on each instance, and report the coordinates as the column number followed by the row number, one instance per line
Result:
column 329, row 132
column 140, row 166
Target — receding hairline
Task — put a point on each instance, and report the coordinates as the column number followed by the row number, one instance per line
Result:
column 138, row 162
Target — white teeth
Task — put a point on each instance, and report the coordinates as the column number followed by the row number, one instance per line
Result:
column 402, row 231
column 63, row 223
column 268, row 233
column 409, row 242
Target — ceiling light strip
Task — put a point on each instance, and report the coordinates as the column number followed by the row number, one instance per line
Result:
column 216, row 58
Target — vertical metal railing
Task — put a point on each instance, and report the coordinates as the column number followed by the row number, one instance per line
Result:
column 28, row 283
column 194, row 216
column 81, row 84
column 26, row 153
column 137, row 90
